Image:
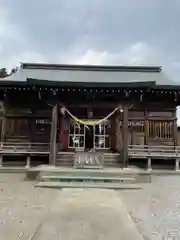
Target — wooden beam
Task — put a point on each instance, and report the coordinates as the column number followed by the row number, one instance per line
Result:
column 105, row 105
column 125, row 136
column 53, row 146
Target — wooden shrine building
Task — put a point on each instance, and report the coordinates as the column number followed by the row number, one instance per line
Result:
column 48, row 108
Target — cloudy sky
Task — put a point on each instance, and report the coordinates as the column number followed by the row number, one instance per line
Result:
column 132, row 32
column 91, row 32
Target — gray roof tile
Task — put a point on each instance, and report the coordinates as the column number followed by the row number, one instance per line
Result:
column 97, row 74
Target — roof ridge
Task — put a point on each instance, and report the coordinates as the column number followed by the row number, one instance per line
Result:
column 118, row 68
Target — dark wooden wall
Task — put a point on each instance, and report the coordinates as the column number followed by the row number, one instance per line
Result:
column 27, row 117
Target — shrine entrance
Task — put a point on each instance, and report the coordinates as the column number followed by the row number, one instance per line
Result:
column 89, row 137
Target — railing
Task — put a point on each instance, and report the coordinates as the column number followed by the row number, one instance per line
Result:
column 154, row 151
column 24, row 147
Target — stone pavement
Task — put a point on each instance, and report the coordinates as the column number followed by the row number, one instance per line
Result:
column 87, row 214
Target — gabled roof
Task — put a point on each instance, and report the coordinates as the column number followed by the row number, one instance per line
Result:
column 91, row 74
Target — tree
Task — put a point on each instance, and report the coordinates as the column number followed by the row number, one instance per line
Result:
column 3, row 72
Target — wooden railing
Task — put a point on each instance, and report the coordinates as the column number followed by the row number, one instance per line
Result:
column 145, row 151
column 134, row 151
column 26, row 147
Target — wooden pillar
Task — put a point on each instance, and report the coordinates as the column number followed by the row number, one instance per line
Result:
column 28, row 161
column 174, row 129
column 3, row 129
column 149, row 166
column 118, row 134
column 146, row 128
column 113, row 133
column 125, row 136
column 3, row 126
column 177, row 164
column 1, row 160
column 53, row 145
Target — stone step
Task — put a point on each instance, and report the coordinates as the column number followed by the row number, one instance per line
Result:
column 87, row 185
column 87, row 179
column 39, row 172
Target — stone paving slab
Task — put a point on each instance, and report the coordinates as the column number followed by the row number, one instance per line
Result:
column 87, row 214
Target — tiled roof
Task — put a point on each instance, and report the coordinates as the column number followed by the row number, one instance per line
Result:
column 90, row 74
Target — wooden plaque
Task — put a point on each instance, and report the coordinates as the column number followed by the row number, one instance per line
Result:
column 88, row 160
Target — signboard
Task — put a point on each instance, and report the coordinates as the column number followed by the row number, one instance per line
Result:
column 134, row 123
column 88, row 160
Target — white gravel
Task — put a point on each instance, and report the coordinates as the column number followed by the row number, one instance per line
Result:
column 22, row 206
column 156, row 208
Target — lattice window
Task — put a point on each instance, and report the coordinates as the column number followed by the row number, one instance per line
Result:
column 160, row 129
column 101, row 135
column 76, row 135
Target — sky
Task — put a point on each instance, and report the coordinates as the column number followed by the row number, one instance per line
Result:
column 125, row 32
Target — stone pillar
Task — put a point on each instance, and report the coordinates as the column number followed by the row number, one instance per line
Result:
column 125, row 136
column 53, row 145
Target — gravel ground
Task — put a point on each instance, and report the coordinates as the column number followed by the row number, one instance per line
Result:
column 156, row 208
column 22, row 207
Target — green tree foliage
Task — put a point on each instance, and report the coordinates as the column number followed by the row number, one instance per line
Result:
column 3, row 72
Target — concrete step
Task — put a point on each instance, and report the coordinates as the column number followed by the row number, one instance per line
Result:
column 46, row 170
column 105, row 172
column 87, row 179
column 13, row 170
column 88, row 185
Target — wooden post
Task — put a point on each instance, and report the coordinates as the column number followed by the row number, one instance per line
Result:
column 125, row 136
column 3, row 126
column 28, row 162
column 174, row 129
column 113, row 134
column 1, row 160
column 53, row 146
column 146, row 128
column 177, row 164
column 149, row 166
